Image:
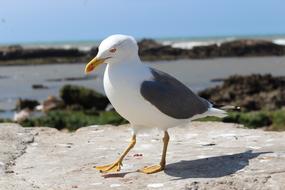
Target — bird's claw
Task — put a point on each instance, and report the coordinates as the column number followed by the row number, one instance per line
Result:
column 151, row 169
column 115, row 167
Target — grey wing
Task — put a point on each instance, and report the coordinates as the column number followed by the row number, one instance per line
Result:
column 172, row 97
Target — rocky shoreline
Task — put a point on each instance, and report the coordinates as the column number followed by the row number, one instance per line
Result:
column 251, row 93
column 149, row 50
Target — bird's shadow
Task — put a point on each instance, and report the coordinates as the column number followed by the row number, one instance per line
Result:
column 212, row 167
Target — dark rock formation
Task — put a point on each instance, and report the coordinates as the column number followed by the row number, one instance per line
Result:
column 148, row 44
column 209, row 51
column 81, row 97
column 18, row 52
column 39, row 86
column 87, row 77
column 149, row 50
column 93, row 52
column 3, row 77
column 253, row 92
column 152, row 50
column 250, row 48
column 26, row 104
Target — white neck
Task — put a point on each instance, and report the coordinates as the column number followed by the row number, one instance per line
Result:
column 127, row 69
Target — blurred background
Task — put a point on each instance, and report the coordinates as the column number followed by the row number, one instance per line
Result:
column 230, row 52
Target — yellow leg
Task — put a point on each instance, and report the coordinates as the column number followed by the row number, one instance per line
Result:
column 161, row 166
column 116, row 166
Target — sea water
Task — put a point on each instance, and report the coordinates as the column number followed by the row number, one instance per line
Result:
column 16, row 81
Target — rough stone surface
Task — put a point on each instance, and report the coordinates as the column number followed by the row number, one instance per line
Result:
column 13, row 144
column 204, row 156
column 251, row 92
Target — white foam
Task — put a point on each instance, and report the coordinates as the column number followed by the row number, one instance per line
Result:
column 187, row 44
column 280, row 41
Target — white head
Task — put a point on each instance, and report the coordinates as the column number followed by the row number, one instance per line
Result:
column 114, row 49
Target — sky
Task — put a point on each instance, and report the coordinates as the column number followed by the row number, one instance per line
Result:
column 24, row 21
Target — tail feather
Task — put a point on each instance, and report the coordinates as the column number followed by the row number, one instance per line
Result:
column 230, row 107
column 216, row 112
column 226, row 107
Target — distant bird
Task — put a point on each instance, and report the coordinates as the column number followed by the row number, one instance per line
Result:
column 146, row 97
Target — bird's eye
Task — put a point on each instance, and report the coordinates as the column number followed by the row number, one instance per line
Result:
column 113, row 50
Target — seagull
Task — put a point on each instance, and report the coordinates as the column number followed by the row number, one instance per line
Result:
column 148, row 98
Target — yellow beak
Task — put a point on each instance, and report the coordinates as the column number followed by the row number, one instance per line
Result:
column 93, row 64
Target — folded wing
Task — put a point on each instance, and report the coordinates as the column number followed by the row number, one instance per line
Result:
column 172, row 97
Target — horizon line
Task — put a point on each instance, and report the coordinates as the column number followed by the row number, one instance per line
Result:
column 60, row 42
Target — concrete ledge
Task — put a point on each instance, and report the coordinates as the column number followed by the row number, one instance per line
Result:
column 206, row 155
